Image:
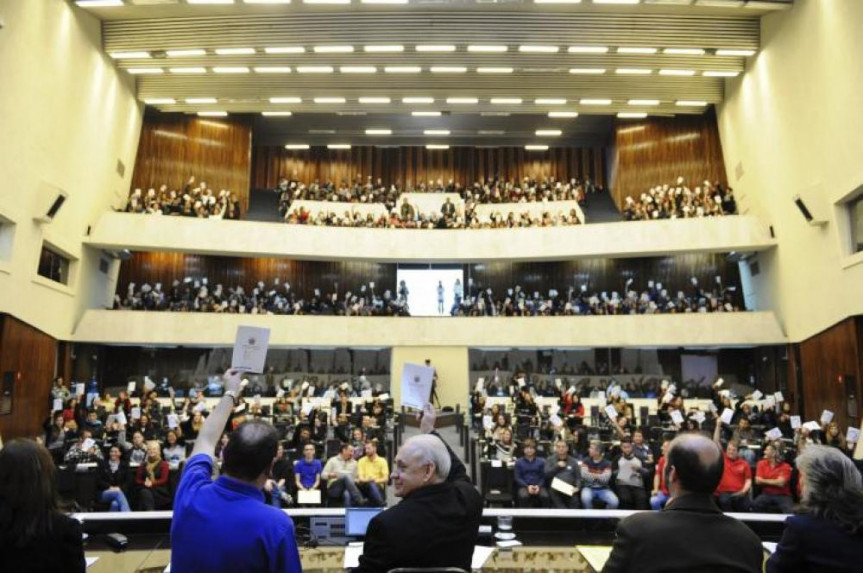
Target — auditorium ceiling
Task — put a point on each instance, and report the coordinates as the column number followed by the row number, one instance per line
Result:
column 537, row 71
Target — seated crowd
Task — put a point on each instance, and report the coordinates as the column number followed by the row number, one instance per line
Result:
column 554, row 459
column 195, row 295
column 134, row 449
column 195, row 200
column 680, row 202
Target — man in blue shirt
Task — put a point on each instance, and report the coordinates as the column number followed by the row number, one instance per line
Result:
column 530, row 477
column 307, row 471
column 225, row 525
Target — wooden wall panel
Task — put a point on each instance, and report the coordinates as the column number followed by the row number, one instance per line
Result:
column 411, row 165
column 32, row 356
column 303, row 276
column 825, row 357
column 175, row 146
column 656, row 151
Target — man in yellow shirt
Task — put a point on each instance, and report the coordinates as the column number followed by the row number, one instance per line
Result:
column 373, row 473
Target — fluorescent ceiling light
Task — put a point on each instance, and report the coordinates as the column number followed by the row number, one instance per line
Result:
column 494, row 70
column 201, row 100
column 277, row 113
column 643, row 102
column 314, row 69
column 188, row 70
column 634, row 71
column 374, row 100
column 297, row 146
column 425, row 113
column 595, row 101
column 326, row 1
column 231, row 70
column 417, row 100
column 436, row 132
column 588, row 49
column 557, row 1
column 616, row 1
column 333, row 49
column 548, row 132
column 209, row 1
column 735, row 52
column 491, row 132
column 720, row 74
column 536, row 147
column 403, row 69
column 329, row 100
column 534, row 49
column 99, row 3
column 435, row 48
column 562, row 114
column 448, row 69
column 267, row 1
column 358, row 69
column 384, row 1
column 550, row 101
column 487, row 48
column 632, row 115
column 130, row 55
column 234, row 51
column 506, row 100
column 462, row 100
column 384, row 48
column 494, row 114
column 144, row 71
column 436, row 146
column 339, row 146
column 160, row 101
column 273, row 70
column 379, row 132
column 285, row 100
column 637, row 50
column 720, row 3
column 186, row 53
column 684, row 51
column 285, row 50
column 587, row 71
column 213, row 113
column 690, row 103
column 676, row 72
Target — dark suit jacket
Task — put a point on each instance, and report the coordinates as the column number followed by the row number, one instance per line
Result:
column 61, row 552
column 690, row 534
column 813, row 545
column 434, row 526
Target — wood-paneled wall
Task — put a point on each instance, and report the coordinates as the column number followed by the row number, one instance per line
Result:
column 656, row 151
column 303, row 276
column 411, row 165
column 32, row 356
column 835, row 352
column 175, row 146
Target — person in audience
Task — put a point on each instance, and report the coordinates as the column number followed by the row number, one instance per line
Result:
column 833, row 437
column 373, row 474
column 596, row 478
column 34, row 534
column 641, row 449
column 530, row 477
column 113, row 479
column 732, row 493
column 192, row 425
column 59, row 390
column 152, row 480
column 56, row 435
column 436, row 523
column 504, row 449
column 563, row 467
column 84, row 451
column 773, row 476
column 280, row 476
column 138, row 449
column 173, row 451
column 827, row 533
column 660, row 494
column 743, row 436
column 341, row 474
column 691, row 534
column 629, row 482
column 307, row 470
column 257, row 536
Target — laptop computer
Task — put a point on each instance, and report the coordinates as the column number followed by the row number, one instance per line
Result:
column 357, row 520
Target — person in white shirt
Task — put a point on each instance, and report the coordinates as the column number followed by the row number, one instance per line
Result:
column 340, row 472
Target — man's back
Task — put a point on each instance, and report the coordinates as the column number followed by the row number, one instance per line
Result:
column 690, row 534
column 226, row 526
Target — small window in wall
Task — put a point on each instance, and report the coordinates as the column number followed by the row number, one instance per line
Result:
column 7, row 238
column 855, row 210
column 53, row 265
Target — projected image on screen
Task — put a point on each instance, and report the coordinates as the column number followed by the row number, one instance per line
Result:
column 423, row 296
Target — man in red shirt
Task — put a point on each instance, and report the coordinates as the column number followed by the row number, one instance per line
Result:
column 774, row 477
column 659, row 495
column 732, row 494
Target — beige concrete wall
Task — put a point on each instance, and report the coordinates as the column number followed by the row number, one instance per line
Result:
column 451, row 363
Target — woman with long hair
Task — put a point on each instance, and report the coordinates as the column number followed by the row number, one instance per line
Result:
column 827, row 535
column 34, row 535
column 152, row 479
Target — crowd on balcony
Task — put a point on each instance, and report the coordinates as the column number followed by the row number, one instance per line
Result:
column 195, row 200
column 680, row 201
column 277, row 297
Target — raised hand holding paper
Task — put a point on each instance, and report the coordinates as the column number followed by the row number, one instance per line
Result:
column 727, row 415
column 853, row 436
column 795, row 422
column 416, row 385
column 250, row 349
column 826, row 417
column 774, row 434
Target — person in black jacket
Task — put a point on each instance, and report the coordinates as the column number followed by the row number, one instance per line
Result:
column 436, row 523
column 112, row 480
column 34, row 536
